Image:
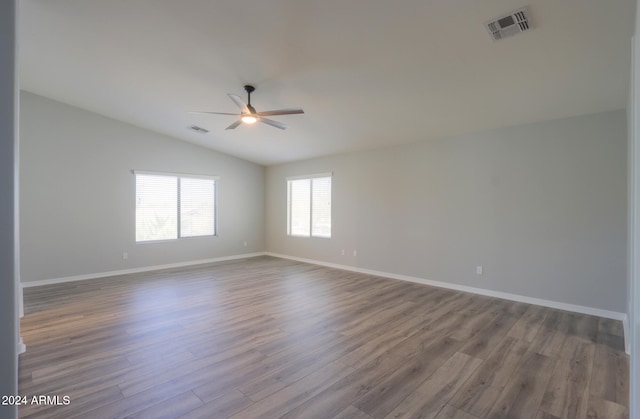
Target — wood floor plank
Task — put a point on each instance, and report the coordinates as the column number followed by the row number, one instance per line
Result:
column 567, row 393
column 339, row 396
column 283, row 369
column 380, row 343
column 610, row 326
column 605, row 409
column 610, row 376
column 215, row 365
column 552, row 333
column 450, row 412
column 130, row 405
column 523, row 393
column 171, row 408
column 432, row 395
column 480, row 392
column 352, row 413
column 384, row 397
column 527, row 327
column 445, row 320
column 287, row 399
column 483, row 343
column 584, row 326
column 86, row 402
column 268, row 337
column 612, row 342
column 221, row 407
column 285, row 375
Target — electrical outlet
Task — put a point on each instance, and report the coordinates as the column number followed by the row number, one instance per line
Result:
column 479, row 270
column 355, row 253
column 125, row 255
column 342, row 252
column 245, row 244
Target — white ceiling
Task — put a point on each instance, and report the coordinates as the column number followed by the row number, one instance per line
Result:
column 368, row 73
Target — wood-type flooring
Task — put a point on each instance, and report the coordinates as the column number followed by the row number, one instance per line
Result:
column 272, row 338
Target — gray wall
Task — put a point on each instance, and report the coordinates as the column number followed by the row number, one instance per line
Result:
column 633, row 337
column 542, row 207
column 77, row 194
column 8, row 164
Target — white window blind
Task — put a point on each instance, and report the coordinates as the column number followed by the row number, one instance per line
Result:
column 309, row 206
column 300, row 207
column 172, row 206
column 197, row 207
column 321, row 207
column 156, row 207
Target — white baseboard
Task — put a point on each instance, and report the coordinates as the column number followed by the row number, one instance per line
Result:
column 22, row 348
column 489, row 293
column 53, row 281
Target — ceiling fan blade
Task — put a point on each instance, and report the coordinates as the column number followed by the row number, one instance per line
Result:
column 234, row 125
column 281, row 112
column 273, row 123
column 239, row 102
column 215, row 113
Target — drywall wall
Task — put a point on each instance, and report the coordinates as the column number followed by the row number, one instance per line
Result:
column 541, row 207
column 78, row 194
column 8, row 151
column 633, row 336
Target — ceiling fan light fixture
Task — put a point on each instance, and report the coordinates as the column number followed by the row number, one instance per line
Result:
column 249, row 119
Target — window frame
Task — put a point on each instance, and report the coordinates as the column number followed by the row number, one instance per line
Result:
column 289, row 202
column 178, row 177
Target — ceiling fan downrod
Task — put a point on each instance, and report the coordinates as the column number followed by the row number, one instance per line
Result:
column 249, row 89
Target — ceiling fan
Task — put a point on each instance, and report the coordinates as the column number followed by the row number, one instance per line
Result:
column 249, row 115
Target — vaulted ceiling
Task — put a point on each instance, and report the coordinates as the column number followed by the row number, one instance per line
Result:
column 368, row 73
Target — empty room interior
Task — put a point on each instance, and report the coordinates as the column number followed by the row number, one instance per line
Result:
column 278, row 209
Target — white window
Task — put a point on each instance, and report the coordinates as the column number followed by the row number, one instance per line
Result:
column 309, row 206
column 170, row 206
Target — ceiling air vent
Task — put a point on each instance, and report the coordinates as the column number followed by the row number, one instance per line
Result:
column 198, row 129
column 509, row 25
